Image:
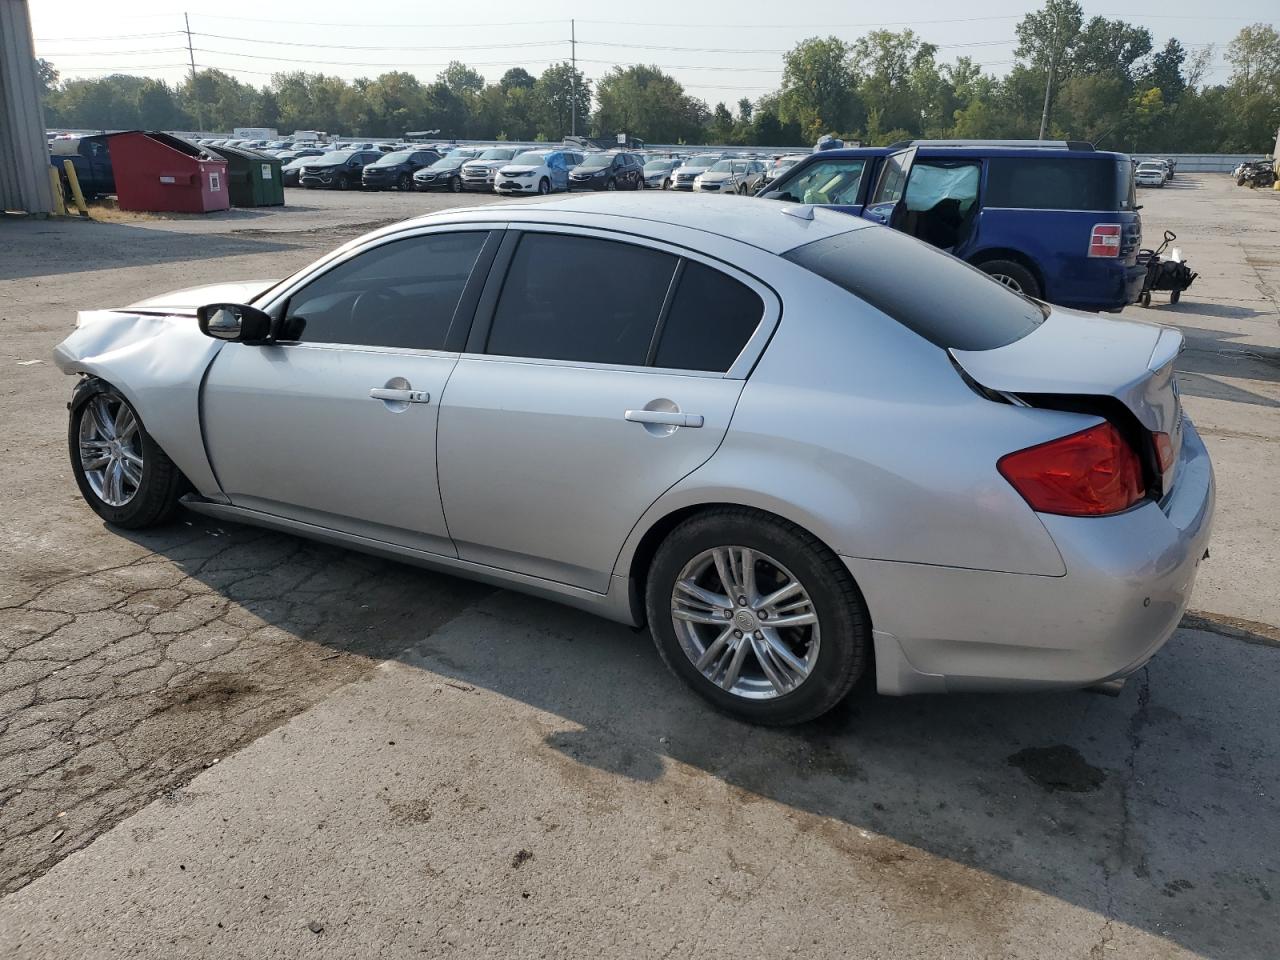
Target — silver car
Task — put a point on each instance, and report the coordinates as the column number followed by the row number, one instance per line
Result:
column 797, row 445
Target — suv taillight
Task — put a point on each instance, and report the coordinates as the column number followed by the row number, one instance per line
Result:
column 1104, row 241
column 1087, row 474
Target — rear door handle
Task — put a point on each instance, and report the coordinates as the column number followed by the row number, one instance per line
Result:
column 403, row 396
column 664, row 417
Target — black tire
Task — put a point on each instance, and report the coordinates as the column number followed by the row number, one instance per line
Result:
column 1144, row 298
column 405, row 182
column 611, row 185
column 342, row 183
column 1016, row 272
column 846, row 626
column 1175, row 296
column 455, row 185
column 156, row 498
column 544, row 186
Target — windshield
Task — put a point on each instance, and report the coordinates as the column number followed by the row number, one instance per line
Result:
column 336, row 156
column 1153, row 167
column 531, row 159
column 702, row 163
column 596, row 160
column 399, row 156
column 657, row 166
column 445, row 163
column 729, row 166
column 498, row 154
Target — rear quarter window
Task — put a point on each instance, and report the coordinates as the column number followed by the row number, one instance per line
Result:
column 1056, row 183
column 944, row 300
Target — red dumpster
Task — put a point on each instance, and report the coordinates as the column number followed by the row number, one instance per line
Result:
column 162, row 174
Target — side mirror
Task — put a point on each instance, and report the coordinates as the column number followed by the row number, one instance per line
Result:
column 234, row 321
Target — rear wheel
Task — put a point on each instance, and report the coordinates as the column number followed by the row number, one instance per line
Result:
column 1013, row 275
column 121, row 471
column 757, row 615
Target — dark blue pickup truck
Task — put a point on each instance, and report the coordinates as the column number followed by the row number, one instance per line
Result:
column 92, row 160
column 1055, row 220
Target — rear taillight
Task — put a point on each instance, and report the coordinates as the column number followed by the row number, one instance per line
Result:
column 1104, row 241
column 1086, row 474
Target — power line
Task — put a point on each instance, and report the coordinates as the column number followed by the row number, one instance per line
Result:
column 364, row 63
column 356, row 46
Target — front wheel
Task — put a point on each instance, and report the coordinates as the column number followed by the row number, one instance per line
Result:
column 1175, row 296
column 344, row 183
column 121, row 471
column 757, row 615
column 544, row 186
column 1013, row 275
column 455, row 185
column 611, row 185
column 405, row 182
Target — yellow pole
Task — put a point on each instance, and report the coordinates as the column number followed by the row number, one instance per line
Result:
column 55, row 181
column 75, row 187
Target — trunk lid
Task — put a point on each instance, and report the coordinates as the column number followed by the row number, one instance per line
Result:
column 1081, row 355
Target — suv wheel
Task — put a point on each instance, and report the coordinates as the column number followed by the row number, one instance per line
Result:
column 757, row 615
column 611, row 185
column 121, row 471
column 342, row 182
column 1013, row 275
column 405, row 182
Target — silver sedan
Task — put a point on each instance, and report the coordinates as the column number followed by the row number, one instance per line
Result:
column 798, row 446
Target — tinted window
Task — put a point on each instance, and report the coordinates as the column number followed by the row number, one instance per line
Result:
column 711, row 319
column 401, row 294
column 1054, row 183
column 959, row 306
column 579, row 298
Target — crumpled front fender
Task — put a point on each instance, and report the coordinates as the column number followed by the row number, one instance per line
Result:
column 158, row 363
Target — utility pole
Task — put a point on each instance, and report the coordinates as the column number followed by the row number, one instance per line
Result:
column 573, row 97
column 1048, row 80
column 195, row 93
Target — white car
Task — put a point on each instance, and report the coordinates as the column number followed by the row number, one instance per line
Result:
column 1150, row 174
column 534, row 171
column 731, row 176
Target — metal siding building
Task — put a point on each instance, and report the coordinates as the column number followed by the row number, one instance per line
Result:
column 24, row 152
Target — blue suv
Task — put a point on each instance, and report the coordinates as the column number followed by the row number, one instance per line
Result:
column 1056, row 220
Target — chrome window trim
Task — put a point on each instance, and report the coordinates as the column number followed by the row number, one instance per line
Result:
column 751, row 350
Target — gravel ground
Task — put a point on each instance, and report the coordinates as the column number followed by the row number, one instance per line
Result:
column 288, row 736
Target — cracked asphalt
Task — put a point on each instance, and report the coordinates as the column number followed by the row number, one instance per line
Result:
column 219, row 741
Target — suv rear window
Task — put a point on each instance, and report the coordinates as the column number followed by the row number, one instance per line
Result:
column 943, row 299
column 1058, row 183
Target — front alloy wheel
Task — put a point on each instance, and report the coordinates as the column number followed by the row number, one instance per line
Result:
column 121, row 471
column 746, row 622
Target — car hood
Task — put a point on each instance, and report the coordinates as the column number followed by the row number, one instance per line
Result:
column 189, row 298
column 452, row 168
column 486, row 164
column 520, row 168
column 716, row 177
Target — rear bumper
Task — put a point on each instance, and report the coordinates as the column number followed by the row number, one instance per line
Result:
column 1128, row 581
column 1099, row 285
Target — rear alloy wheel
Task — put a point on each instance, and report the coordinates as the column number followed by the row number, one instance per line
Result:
column 757, row 616
column 1013, row 275
column 544, row 186
column 121, row 471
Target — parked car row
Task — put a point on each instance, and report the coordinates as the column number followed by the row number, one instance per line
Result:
column 1155, row 172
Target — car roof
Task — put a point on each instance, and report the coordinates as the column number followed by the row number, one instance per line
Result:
column 766, row 224
column 993, row 150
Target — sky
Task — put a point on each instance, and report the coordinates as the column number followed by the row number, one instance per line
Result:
column 719, row 51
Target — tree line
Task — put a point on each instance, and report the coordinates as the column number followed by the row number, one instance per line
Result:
column 1092, row 79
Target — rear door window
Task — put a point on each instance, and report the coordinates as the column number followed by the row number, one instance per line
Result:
column 958, row 307
column 711, row 318
column 580, row 298
column 1056, row 183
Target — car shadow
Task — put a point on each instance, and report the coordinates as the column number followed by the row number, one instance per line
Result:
column 1155, row 809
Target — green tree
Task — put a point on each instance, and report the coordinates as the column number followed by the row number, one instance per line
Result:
column 556, row 93
column 517, row 78
column 461, row 79
column 818, row 81
column 158, row 107
column 1165, row 71
column 646, row 103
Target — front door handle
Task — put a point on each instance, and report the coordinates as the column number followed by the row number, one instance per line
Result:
column 401, row 396
column 665, row 417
